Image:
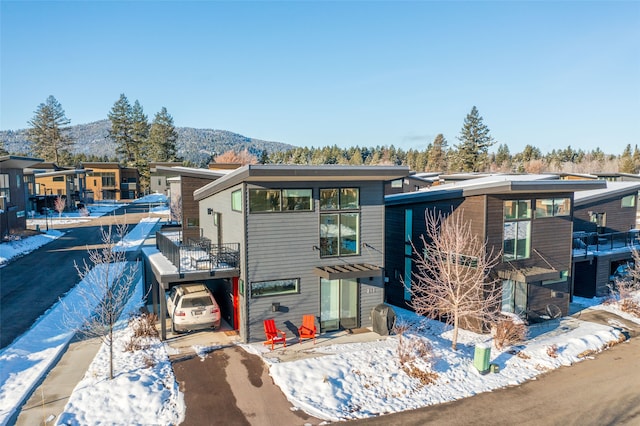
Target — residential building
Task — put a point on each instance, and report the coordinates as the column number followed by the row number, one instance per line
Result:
column 605, row 234
column 158, row 183
column 14, row 193
column 111, row 181
column 525, row 218
column 310, row 241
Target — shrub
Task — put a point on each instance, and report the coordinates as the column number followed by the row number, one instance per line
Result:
column 508, row 331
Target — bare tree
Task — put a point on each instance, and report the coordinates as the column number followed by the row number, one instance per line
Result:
column 175, row 208
column 59, row 204
column 242, row 157
column 108, row 280
column 453, row 280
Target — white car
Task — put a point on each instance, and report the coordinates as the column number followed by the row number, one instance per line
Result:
column 192, row 307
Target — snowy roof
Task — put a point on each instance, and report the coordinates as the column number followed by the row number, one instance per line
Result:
column 193, row 172
column 611, row 190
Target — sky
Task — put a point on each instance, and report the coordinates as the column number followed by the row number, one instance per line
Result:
column 544, row 73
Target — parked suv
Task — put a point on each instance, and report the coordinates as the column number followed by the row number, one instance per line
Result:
column 192, row 307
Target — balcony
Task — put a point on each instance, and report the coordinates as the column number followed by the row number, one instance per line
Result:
column 198, row 255
column 585, row 243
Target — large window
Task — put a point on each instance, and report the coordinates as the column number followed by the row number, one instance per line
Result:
column 277, row 200
column 273, row 288
column 549, row 207
column 236, row 201
column 4, row 187
column 517, row 229
column 340, row 230
column 629, row 201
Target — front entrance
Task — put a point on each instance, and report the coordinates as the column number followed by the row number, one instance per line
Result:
column 338, row 304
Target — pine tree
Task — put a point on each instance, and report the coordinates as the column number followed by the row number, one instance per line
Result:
column 626, row 161
column 503, row 156
column 121, row 131
column 139, row 133
column 162, row 137
column 475, row 141
column 48, row 132
column 437, row 159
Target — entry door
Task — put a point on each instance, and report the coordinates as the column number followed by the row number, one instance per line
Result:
column 338, row 304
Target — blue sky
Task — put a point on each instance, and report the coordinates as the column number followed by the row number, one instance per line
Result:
column 544, row 73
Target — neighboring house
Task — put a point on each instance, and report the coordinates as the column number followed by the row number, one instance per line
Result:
column 14, row 193
column 311, row 241
column 413, row 182
column 158, row 178
column 526, row 218
column 69, row 184
column 605, row 232
column 186, row 180
column 617, row 177
column 111, row 181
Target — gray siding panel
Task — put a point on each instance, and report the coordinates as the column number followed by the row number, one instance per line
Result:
column 280, row 246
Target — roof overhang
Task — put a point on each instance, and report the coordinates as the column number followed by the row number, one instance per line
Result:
column 190, row 172
column 15, row 162
column 63, row 173
column 348, row 270
column 283, row 173
column 610, row 190
column 506, row 187
column 529, row 275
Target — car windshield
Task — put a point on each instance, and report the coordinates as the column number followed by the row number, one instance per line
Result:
column 196, row 302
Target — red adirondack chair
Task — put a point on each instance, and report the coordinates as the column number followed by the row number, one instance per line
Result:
column 273, row 334
column 308, row 328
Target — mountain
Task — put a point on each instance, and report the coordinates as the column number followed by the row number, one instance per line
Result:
column 194, row 145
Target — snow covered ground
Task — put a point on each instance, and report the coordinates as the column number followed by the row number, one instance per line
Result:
column 54, row 218
column 337, row 382
column 16, row 248
column 351, row 381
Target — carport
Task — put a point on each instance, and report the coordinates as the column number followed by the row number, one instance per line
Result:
column 161, row 275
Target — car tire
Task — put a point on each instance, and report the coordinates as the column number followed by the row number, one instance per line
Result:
column 173, row 328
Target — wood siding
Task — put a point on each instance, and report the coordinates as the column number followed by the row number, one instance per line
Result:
column 190, row 207
column 619, row 219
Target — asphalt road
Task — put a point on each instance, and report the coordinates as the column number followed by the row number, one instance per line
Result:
column 31, row 284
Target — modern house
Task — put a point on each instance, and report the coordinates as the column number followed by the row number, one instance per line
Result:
column 68, row 184
column 111, row 181
column 310, row 240
column 526, row 218
column 184, row 207
column 605, row 234
column 15, row 189
column 158, row 178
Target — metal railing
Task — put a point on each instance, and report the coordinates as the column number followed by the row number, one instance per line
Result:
column 594, row 242
column 198, row 254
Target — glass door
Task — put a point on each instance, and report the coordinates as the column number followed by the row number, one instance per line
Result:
column 338, row 304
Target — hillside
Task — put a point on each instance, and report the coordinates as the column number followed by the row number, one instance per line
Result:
column 194, row 145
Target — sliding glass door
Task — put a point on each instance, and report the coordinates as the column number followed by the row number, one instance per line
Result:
column 338, row 304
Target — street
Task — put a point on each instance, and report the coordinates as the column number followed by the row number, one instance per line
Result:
column 31, row 284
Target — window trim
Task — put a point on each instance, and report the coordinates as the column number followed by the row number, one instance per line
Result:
column 624, row 201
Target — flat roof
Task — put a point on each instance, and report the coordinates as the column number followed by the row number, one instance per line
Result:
column 193, row 172
column 304, row 173
column 61, row 172
column 495, row 184
column 611, row 190
column 16, row 162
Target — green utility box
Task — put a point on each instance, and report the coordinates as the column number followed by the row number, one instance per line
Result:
column 481, row 357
